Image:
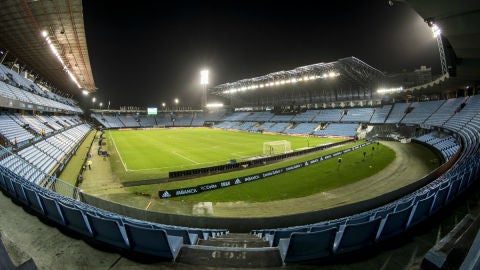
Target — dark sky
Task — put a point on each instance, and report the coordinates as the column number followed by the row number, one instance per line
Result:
column 147, row 52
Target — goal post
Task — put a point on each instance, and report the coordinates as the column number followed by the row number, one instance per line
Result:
column 276, row 148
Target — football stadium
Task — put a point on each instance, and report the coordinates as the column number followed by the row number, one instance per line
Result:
column 334, row 164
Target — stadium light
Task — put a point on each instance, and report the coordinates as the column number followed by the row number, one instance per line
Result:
column 437, row 34
column 176, row 101
column 94, row 99
column 85, row 92
column 389, row 90
column 204, row 82
column 215, row 105
column 436, row 31
column 55, row 52
column 100, row 104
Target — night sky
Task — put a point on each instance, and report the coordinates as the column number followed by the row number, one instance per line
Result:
column 144, row 53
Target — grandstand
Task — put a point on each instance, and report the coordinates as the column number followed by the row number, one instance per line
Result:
column 41, row 131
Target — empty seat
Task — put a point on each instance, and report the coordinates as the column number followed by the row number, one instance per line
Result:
column 394, row 223
column 356, row 236
column 153, row 241
column 33, row 200
column 420, row 211
column 20, row 192
column 278, row 234
column 440, row 199
column 303, row 246
column 51, row 208
column 188, row 238
column 107, row 230
column 75, row 219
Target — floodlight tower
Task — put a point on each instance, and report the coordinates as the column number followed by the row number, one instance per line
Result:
column 437, row 34
column 204, row 83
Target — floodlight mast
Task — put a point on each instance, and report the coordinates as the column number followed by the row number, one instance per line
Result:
column 204, row 83
column 437, row 34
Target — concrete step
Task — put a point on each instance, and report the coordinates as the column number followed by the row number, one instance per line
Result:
column 235, row 240
column 225, row 257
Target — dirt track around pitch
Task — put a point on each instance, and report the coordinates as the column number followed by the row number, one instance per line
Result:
column 406, row 168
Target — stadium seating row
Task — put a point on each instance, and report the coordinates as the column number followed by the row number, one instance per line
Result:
column 300, row 243
column 119, row 231
column 327, row 238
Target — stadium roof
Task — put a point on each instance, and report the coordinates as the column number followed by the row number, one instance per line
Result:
column 21, row 26
column 350, row 70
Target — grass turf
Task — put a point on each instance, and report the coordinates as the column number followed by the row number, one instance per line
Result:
column 317, row 178
column 151, row 154
column 320, row 177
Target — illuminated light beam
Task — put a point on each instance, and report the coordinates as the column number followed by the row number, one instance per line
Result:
column 214, row 105
column 389, row 90
column 292, row 80
column 57, row 55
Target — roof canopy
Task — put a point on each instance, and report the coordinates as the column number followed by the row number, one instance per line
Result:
column 21, row 25
column 350, row 70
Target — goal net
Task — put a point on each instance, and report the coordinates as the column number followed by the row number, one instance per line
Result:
column 276, row 147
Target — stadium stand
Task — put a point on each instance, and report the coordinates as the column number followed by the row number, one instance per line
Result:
column 380, row 114
column 331, row 115
column 445, row 111
column 421, row 111
column 28, row 172
column 277, row 128
column 128, row 121
column 358, row 115
column 306, row 116
column 332, row 237
column 397, row 113
column 302, row 128
column 447, row 145
column 335, row 129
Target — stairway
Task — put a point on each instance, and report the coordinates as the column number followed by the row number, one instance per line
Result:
column 231, row 250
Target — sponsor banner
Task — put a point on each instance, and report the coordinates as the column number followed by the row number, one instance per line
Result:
column 165, row 194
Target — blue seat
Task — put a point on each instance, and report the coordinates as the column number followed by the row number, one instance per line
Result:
column 188, row 238
column 51, row 208
column 440, row 199
column 403, row 205
column 358, row 219
column 201, row 233
column 420, row 211
column 394, row 223
column 107, row 230
column 75, row 219
column 33, row 200
column 356, row 236
column 383, row 212
column 453, row 190
column 284, row 233
column 303, row 246
column 20, row 193
column 324, row 227
column 8, row 186
column 2, row 179
column 153, row 241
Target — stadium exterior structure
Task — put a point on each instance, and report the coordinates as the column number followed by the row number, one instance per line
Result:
column 30, row 182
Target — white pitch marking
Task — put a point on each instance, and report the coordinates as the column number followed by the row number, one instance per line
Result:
column 184, row 157
column 123, row 163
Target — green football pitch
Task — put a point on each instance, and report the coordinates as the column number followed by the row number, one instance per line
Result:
column 151, row 154
column 162, row 150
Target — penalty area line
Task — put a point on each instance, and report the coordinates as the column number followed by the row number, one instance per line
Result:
column 184, row 157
